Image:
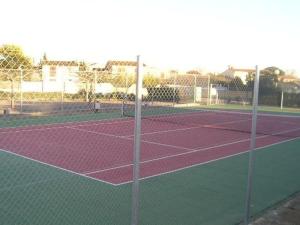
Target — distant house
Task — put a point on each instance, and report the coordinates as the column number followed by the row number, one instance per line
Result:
column 132, row 90
column 104, row 88
column 288, row 79
column 232, row 72
column 290, row 87
column 153, row 71
column 121, row 67
column 60, row 76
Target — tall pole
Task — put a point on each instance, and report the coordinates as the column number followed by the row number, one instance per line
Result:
column 12, row 94
column 137, row 143
column 21, row 91
column 195, row 85
column 252, row 147
column 281, row 101
column 208, row 90
column 174, row 90
column 62, row 96
column 95, row 83
column 125, row 97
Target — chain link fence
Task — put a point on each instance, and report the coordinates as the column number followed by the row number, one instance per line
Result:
column 71, row 150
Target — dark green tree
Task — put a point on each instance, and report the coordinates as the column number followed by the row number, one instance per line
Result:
column 236, row 84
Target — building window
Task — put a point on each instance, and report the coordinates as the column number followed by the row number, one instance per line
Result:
column 121, row 70
column 52, row 73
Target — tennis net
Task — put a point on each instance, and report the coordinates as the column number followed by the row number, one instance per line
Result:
column 232, row 121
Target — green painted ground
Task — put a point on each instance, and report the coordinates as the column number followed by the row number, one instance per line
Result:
column 39, row 120
column 31, row 193
column 262, row 109
column 211, row 194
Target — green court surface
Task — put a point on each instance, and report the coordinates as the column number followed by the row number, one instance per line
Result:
column 34, row 194
column 40, row 120
column 262, row 109
column 210, row 194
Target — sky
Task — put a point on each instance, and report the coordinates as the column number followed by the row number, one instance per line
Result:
column 177, row 34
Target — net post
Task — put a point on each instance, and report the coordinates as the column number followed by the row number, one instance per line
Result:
column 252, row 147
column 281, row 101
column 137, row 143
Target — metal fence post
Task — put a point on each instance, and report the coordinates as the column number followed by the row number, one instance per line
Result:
column 125, row 97
column 252, row 147
column 208, row 90
column 281, row 101
column 195, row 88
column 62, row 96
column 137, row 144
column 174, row 90
column 21, row 91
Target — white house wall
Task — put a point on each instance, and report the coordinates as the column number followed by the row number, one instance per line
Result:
column 66, row 79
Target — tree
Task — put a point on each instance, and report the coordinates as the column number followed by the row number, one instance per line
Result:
column 13, row 57
column 236, row 84
column 269, row 80
column 196, row 72
column 86, row 77
column 272, row 71
column 269, row 88
column 45, row 58
column 12, row 62
column 150, row 81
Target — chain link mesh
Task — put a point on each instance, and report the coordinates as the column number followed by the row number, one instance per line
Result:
column 67, row 136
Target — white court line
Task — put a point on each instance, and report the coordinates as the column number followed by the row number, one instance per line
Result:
column 95, row 179
column 210, row 161
column 129, row 139
column 168, row 156
column 126, row 120
column 96, row 132
column 192, row 151
column 72, row 122
column 57, row 167
column 100, row 122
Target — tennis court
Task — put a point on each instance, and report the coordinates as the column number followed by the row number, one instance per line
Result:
column 82, row 171
column 169, row 142
column 65, row 161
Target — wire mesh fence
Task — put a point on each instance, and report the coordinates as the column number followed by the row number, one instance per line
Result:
column 69, row 150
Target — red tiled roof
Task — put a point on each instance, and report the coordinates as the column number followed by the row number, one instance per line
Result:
column 111, row 63
column 242, row 70
column 59, row 63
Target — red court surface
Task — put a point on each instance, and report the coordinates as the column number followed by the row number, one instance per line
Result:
column 103, row 150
